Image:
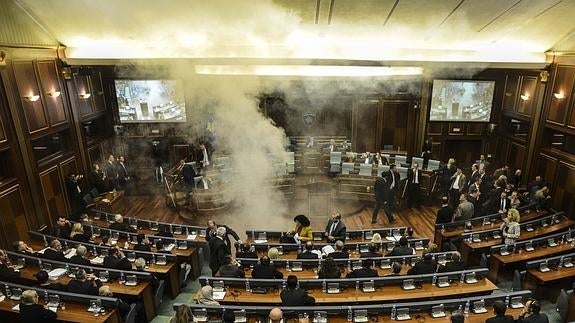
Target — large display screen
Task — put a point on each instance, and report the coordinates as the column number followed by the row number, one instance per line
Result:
column 150, row 101
column 458, row 100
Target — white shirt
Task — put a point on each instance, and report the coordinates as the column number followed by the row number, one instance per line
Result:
column 392, row 180
column 206, row 161
column 415, row 177
column 456, row 183
column 333, row 225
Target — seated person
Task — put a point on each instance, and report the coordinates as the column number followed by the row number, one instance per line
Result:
column 117, row 260
column 339, row 253
column 302, row 231
column 140, row 264
column 265, row 270
column 308, row 252
column 371, row 252
column 42, row 280
column 454, row 265
column 31, row 311
column 245, row 251
column 499, row 309
column 294, row 296
column 164, row 231
column 62, row 228
column 365, row 271
column 7, row 273
column 54, row 252
column 230, row 268
column 161, row 248
column 78, row 234
column 403, row 249
column 123, row 307
column 531, row 313
column 395, row 269
column 329, row 269
column 80, row 257
column 425, row 266
column 207, row 296
column 82, row 285
column 119, row 224
column 143, row 243
column 105, row 241
column 274, row 253
column 21, row 247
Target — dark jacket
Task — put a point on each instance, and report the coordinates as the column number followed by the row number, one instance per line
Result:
column 8, row 274
column 121, row 227
column 444, row 215
column 381, row 189
column 266, row 272
column 501, row 319
column 54, row 286
column 246, row 255
column 210, row 234
column 339, row 231
column 362, row 273
column 231, row 271
column 370, row 254
column 321, row 274
column 61, row 231
column 36, row 313
column 54, row 255
column 142, row 247
column 117, row 263
column 452, row 266
column 84, row 287
column 422, row 267
column 79, row 260
column 296, row 297
column 339, row 255
column 218, row 250
column 307, row 255
column 535, row 318
column 401, row 251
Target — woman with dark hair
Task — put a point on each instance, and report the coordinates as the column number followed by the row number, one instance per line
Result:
column 329, row 269
column 302, row 230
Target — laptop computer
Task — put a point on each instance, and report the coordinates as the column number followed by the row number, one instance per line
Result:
column 333, row 288
column 177, row 230
column 443, row 281
column 529, row 228
column 16, row 294
column 200, row 315
column 516, row 302
column 479, row 307
column 402, row 314
column 496, row 234
column 529, row 246
column 317, row 236
column 363, row 248
column 438, row 311
column 241, row 316
column 261, row 236
column 219, row 290
column 280, row 250
column 154, row 226
column 161, row 260
column 471, row 278
column 486, row 221
column 20, row 263
column 368, row 287
column 441, row 259
column 544, row 267
column 356, row 265
column 131, row 256
column 131, row 280
column 408, row 284
column 297, row 266
column 360, row 316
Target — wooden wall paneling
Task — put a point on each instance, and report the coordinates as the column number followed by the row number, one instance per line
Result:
column 82, row 86
column 366, row 125
column 562, row 83
column 50, row 84
column 475, row 129
column 436, row 150
column 510, row 94
column 53, row 192
column 564, row 189
column 464, row 151
column 95, row 155
column 546, row 167
column 435, row 128
column 27, row 84
column 68, row 167
column 14, row 219
column 181, row 151
column 526, row 102
column 516, row 156
column 395, row 116
column 97, row 91
column 3, row 137
column 456, row 129
column 571, row 123
column 502, row 153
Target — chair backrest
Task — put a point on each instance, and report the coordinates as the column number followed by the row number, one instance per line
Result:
column 335, row 157
column 399, row 160
column 346, row 168
column 131, row 316
column 159, row 295
column 417, row 160
column 365, row 169
column 562, row 305
column 484, row 262
column 290, row 157
column 402, row 172
column 381, row 169
column 88, row 199
column 517, row 282
column 433, row 164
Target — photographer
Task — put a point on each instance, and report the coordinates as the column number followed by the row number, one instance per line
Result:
column 75, row 195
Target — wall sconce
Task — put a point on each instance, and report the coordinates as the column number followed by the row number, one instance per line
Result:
column 559, row 96
column 525, row 97
column 32, row 98
column 508, row 94
column 85, row 95
column 53, row 94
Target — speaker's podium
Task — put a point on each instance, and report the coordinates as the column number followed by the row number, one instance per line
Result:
column 319, row 199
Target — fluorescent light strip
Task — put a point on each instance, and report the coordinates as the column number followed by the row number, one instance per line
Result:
column 307, row 70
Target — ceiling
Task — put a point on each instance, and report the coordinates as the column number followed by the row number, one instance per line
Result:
column 381, row 30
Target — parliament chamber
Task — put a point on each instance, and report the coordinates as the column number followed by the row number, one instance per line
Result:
column 287, row 161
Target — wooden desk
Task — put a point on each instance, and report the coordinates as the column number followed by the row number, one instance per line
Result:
column 473, row 248
column 111, row 202
column 353, row 255
column 74, row 312
column 382, row 294
column 499, row 262
column 143, row 291
column 311, row 273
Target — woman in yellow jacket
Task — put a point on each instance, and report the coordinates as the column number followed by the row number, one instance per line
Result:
column 302, row 230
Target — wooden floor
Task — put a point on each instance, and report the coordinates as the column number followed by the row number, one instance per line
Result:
column 154, row 208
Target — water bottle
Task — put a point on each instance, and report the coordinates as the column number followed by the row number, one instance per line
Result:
column 46, row 296
column 442, row 228
column 466, row 310
column 207, row 282
column 7, row 291
column 324, row 286
column 67, row 268
column 434, row 279
column 404, row 261
column 393, row 313
column 126, row 245
column 349, row 265
column 248, row 288
column 95, row 251
column 122, row 278
column 507, row 301
column 357, row 285
column 287, row 266
column 357, row 248
column 560, row 263
column 153, row 259
column 297, row 286
column 40, row 264
column 349, row 314
column 462, row 277
column 65, row 245
column 460, row 308
column 45, row 241
column 171, row 229
column 284, row 284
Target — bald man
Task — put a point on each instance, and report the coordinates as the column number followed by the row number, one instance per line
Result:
column 276, row 315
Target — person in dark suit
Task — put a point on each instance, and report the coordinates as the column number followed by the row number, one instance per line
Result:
column 426, row 150
column 395, row 269
column 111, row 171
column 62, row 229
column 371, row 252
column 381, row 189
column 499, row 309
column 329, row 269
column 79, row 258
column 414, row 186
column 339, row 253
column 485, row 186
column 218, row 249
column 98, row 179
column 531, row 313
column 445, row 213
column 403, row 249
column 54, row 252
column 123, row 175
column 335, row 228
column 473, row 198
column 43, row 282
column 31, row 311
column 308, row 252
column 7, row 273
column 81, row 285
column 457, row 186
column 211, row 232
column 143, row 243
column 75, row 193
column 500, row 205
column 474, row 173
column 365, row 271
column 265, row 270
column 245, row 251
column 120, row 225
column 425, row 266
column 230, row 268
column 117, row 260
column 293, row 296
column 454, row 265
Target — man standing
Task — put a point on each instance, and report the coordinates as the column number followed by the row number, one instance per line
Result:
column 111, row 172
column 393, row 179
column 381, row 190
column 474, row 173
column 211, row 232
column 445, row 213
column 335, row 228
column 457, row 186
column 414, row 186
column 465, row 209
column 123, row 176
column 205, row 161
column 75, row 194
column 218, row 250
